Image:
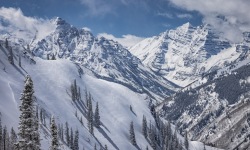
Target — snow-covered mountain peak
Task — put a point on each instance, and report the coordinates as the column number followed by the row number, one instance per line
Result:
column 185, row 53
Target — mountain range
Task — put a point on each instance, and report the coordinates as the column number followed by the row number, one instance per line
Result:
column 191, row 77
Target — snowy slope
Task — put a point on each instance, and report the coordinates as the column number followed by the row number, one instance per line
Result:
column 184, row 54
column 52, row 80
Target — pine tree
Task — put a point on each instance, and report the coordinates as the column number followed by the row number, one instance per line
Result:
column 147, row 148
column 76, row 140
column 67, row 133
column 71, row 139
column 62, row 134
column 1, row 132
column 132, row 134
column 81, row 120
column 105, row 147
column 97, row 116
column 54, row 140
column 86, row 98
column 41, row 116
column 90, row 118
column 26, row 124
column 11, row 56
column 13, row 138
column 144, row 127
column 36, row 135
column 79, row 94
column 186, row 144
column 5, row 132
column 95, row 147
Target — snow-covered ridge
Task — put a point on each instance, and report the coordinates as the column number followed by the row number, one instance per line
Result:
column 182, row 55
column 105, row 58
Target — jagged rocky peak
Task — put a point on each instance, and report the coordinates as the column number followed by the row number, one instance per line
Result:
column 185, row 53
column 60, row 23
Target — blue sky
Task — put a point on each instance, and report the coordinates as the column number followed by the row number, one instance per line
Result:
column 129, row 21
column 141, row 18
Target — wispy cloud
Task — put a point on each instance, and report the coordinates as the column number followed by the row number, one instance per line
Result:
column 166, row 14
column 126, row 40
column 188, row 16
column 103, row 7
column 230, row 17
column 13, row 21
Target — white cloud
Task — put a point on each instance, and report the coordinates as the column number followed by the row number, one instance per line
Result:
column 165, row 14
column 13, row 21
column 188, row 16
column 231, row 17
column 126, row 40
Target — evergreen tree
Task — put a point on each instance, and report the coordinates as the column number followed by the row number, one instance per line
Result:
column 81, row 120
column 97, row 116
column 71, row 139
column 132, row 134
column 67, row 133
column 54, row 140
column 5, row 132
column 79, row 94
column 36, row 135
column 95, row 147
column 26, row 124
column 186, row 144
column 13, row 138
column 105, row 147
column 86, row 98
column 1, row 132
column 11, row 56
column 76, row 142
column 144, row 127
column 147, row 148
column 90, row 118
column 62, row 134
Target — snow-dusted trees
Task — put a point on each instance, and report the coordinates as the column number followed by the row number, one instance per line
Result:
column 90, row 116
column 13, row 138
column 1, row 132
column 54, row 140
column 132, row 134
column 36, row 135
column 76, row 143
column 71, row 139
column 97, row 116
column 67, row 133
column 75, row 92
column 186, row 144
column 27, row 130
column 11, row 56
column 144, row 127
